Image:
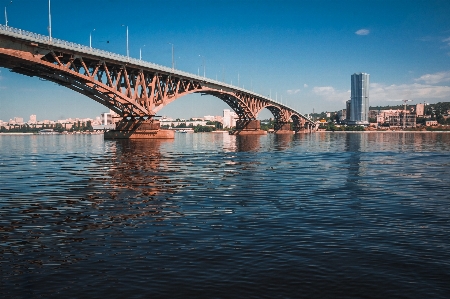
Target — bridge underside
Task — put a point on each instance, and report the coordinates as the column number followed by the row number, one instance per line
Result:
column 134, row 91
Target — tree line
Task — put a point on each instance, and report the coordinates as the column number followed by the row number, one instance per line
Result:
column 27, row 128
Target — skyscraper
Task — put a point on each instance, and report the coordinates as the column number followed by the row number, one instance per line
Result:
column 359, row 102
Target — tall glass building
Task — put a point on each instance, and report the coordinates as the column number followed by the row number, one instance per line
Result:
column 359, row 101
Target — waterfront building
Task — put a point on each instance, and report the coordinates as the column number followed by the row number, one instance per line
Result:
column 109, row 117
column 33, row 119
column 347, row 110
column 342, row 114
column 359, row 101
column 229, row 118
column 175, row 123
column 420, row 109
column 400, row 121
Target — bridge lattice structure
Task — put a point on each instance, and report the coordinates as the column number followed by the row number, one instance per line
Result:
column 132, row 88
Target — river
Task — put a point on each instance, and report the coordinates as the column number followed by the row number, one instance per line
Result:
column 209, row 215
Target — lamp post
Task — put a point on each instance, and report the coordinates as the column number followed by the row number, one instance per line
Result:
column 49, row 21
column 140, row 52
column 6, row 15
column 173, row 63
column 90, row 38
column 204, row 67
column 128, row 52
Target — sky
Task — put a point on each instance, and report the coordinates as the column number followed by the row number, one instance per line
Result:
column 301, row 53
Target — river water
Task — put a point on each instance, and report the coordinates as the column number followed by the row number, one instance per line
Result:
column 209, row 215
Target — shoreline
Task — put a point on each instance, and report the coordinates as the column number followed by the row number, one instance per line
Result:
column 387, row 131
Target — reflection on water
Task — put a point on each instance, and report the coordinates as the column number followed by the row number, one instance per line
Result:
column 216, row 215
column 247, row 143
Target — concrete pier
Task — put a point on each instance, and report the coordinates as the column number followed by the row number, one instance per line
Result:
column 284, row 129
column 248, row 127
column 139, row 129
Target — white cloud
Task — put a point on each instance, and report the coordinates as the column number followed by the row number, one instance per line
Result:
column 293, row 91
column 417, row 92
column 382, row 94
column 435, row 78
column 447, row 41
column 330, row 94
column 362, row 32
column 305, row 85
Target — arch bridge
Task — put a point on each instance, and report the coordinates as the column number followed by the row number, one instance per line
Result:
column 132, row 88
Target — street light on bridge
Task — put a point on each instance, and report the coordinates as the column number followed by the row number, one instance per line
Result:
column 173, row 63
column 90, row 38
column 204, row 67
column 140, row 52
column 128, row 52
column 49, row 22
column 6, row 15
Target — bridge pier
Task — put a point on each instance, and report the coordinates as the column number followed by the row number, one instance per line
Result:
column 139, row 129
column 248, row 127
column 283, row 128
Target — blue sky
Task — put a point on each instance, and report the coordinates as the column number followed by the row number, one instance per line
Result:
column 301, row 52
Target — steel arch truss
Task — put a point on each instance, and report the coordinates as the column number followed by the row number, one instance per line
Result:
column 130, row 89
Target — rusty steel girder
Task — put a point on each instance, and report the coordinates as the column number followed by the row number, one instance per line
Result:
column 130, row 87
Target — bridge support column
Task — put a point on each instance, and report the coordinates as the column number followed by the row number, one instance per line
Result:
column 283, row 128
column 139, row 129
column 248, row 127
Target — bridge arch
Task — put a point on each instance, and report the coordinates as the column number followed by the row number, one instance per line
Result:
column 130, row 87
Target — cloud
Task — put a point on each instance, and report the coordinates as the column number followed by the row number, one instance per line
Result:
column 382, row 93
column 293, row 91
column 418, row 92
column 305, row 85
column 328, row 93
column 362, row 32
column 447, row 41
column 434, row 78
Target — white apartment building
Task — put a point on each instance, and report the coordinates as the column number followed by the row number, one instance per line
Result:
column 33, row 119
column 229, row 118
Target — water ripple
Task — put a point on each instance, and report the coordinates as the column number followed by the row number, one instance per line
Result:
column 339, row 215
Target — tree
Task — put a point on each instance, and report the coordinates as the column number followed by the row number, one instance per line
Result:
column 88, row 126
column 199, row 128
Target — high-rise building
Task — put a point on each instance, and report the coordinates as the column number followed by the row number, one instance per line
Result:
column 359, row 101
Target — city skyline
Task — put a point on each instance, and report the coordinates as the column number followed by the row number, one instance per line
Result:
column 298, row 52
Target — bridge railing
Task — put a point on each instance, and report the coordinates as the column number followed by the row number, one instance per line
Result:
column 39, row 38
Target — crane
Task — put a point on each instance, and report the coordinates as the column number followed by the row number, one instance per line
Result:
column 404, row 112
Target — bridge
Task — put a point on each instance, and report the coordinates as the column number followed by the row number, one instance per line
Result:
column 134, row 89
